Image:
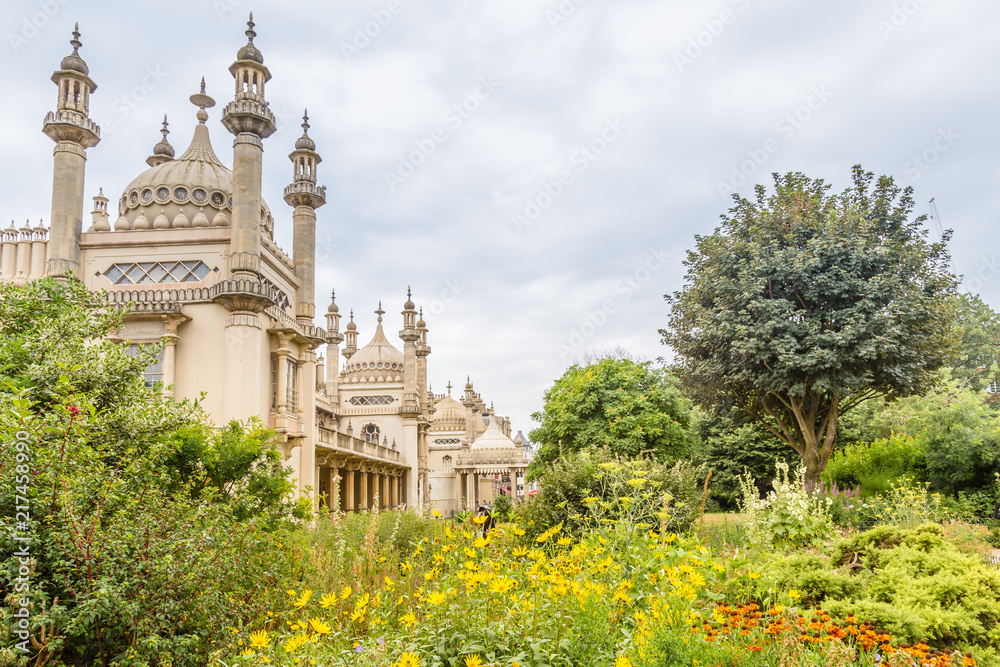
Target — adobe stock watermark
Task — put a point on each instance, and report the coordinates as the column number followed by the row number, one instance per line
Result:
column 123, row 105
column 786, row 127
column 989, row 268
column 920, row 162
column 365, row 34
column 624, row 289
column 563, row 12
column 22, row 535
column 453, row 118
column 705, row 38
column 449, row 294
column 580, row 160
column 30, row 24
column 224, row 7
column 901, row 14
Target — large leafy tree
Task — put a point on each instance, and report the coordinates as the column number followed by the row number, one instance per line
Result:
column 803, row 304
column 977, row 364
column 629, row 406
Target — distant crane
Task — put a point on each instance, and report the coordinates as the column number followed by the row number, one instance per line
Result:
column 936, row 217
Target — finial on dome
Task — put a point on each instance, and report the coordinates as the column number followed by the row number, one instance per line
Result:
column 202, row 101
column 380, row 312
column 449, row 387
column 409, row 305
column 305, row 122
column 75, row 42
column 305, row 142
column 250, row 31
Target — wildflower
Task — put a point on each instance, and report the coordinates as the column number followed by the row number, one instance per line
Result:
column 408, row 659
column 319, row 626
column 563, row 541
column 481, row 543
column 473, row 660
column 436, row 598
column 622, row 661
column 389, row 583
column 501, row 585
column 794, row 594
column 259, row 639
column 754, row 575
column 247, row 653
column 437, row 514
column 303, row 599
column 541, row 539
column 479, row 520
column 328, row 600
column 407, row 567
column 408, row 619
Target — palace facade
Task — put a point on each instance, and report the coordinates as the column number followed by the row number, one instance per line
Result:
column 191, row 253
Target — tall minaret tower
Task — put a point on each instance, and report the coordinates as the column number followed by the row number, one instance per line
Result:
column 305, row 197
column 333, row 341
column 249, row 118
column 74, row 132
column 423, row 350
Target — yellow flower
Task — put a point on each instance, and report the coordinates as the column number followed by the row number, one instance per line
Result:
column 479, row 520
column 319, row 626
column 328, row 600
column 345, row 593
column 622, row 661
column 473, row 660
column 247, row 652
column 670, row 538
column 794, row 594
column 469, row 553
column 437, row 514
column 408, row 619
column 303, row 599
column 389, row 583
column 541, row 539
column 407, row 567
column 290, row 592
column 259, row 639
column 517, row 530
column 502, row 585
column 481, row 542
column 408, row 659
column 520, row 551
column 436, row 598
column 755, row 575
column 563, row 541
column 358, row 615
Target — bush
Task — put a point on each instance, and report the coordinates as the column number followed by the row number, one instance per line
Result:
column 874, row 466
column 788, row 515
column 583, row 488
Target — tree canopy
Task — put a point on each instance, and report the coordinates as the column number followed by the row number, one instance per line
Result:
column 803, row 304
column 629, row 406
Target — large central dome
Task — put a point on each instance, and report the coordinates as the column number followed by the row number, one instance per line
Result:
column 193, row 190
column 378, row 361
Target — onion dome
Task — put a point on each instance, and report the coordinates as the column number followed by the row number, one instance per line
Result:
column 73, row 61
column 197, row 179
column 305, row 142
column 161, row 221
column 162, row 151
column 420, row 323
column 351, row 326
column 333, row 308
column 493, row 438
column 449, row 415
column 141, row 222
column 122, row 224
column 378, row 361
column 409, row 305
column 250, row 52
column 200, row 219
column 181, row 221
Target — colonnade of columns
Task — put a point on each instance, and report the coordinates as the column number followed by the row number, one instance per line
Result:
column 470, row 484
column 358, row 486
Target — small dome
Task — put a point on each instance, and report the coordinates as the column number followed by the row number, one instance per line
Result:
column 250, row 52
column 493, row 438
column 220, row 220
column 141, row 222
column 200, row 219
column 74, row 62
column 161, row 221
column 351, row 326
column 448, row 415
column 305, row 143
column 181, row 221
column 122, row 224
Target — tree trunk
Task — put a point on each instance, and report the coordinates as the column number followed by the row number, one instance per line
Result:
column 808, row 429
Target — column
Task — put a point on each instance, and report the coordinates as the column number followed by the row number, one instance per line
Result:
column 349, row 490
column 334, row 500
column 364, row 489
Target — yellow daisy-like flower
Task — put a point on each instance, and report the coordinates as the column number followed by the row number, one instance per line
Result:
column 303, row 599
column 389, row 583
column 479, row 520
column 520, row 551
column 408, row 659
column 794, row 594
column 247, row 652
column 501, row 585
column 345, row 593
column 358, row 615
column 541, row 539
column 408, row 619
column 319, row 626
column 622, row 661
column 328, row 600
column 469, row 553
column 481, row 542
column 517, row 530
column 436, row 598
column 406, row 567
column 259, row 639
column 473, row 660
column 754, row 575
column 437, row 514
column 563, row 541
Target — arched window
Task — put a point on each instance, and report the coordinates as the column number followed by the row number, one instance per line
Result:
column 446, row 461
column 370, row 433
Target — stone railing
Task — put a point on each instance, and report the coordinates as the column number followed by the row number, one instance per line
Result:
column 348, row 444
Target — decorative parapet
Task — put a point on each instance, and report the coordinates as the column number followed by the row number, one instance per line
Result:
column 304, row 193
column 481, row 457
column 241, row 294
column 249, row 116
column 73, row 126
column 355, row 446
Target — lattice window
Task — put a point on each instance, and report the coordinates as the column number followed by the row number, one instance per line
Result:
column 147, row 273
column 371, row 400
column 153, row 374
column 371, row 432
column 447, row 441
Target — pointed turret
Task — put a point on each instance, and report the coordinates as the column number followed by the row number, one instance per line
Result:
column 99, row 216
column 423, row 350
column 74, row 132
column 410, row 336
column 305, row 197
column 163, row 151
column 352, row 338
column 333, row 341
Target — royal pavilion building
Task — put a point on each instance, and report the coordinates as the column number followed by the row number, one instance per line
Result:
column 190, row 251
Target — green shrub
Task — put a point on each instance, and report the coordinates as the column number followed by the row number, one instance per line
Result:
column 876, row 465
column 788, row 515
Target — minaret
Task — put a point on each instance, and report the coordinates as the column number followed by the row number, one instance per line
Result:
column 99, row 216
column 410, row 335
column 305, row 197
column 74, row 132
column 333, row 341
column 469, row 401
column 249, row 118
column 352, row 339
column 423, row 349
column 163, row 151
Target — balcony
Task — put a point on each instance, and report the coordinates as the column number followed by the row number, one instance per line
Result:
column 356, row 447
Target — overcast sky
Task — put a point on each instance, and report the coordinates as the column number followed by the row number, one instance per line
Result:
column 535, row 169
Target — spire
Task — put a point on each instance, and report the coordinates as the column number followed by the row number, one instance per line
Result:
column 380, row 312
column 73, row 61
column 163, row 151
column 250, row 32
column 202, row 101
column 75, row 42
column 449, row 387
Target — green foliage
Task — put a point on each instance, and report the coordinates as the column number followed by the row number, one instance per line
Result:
column 978, row 362
column 502, row 506
column 629, row 406
column 788, row 515
column 875, row 466
column 729, row 448
column 804, row 304
column 150, row 534
column 581, row 489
